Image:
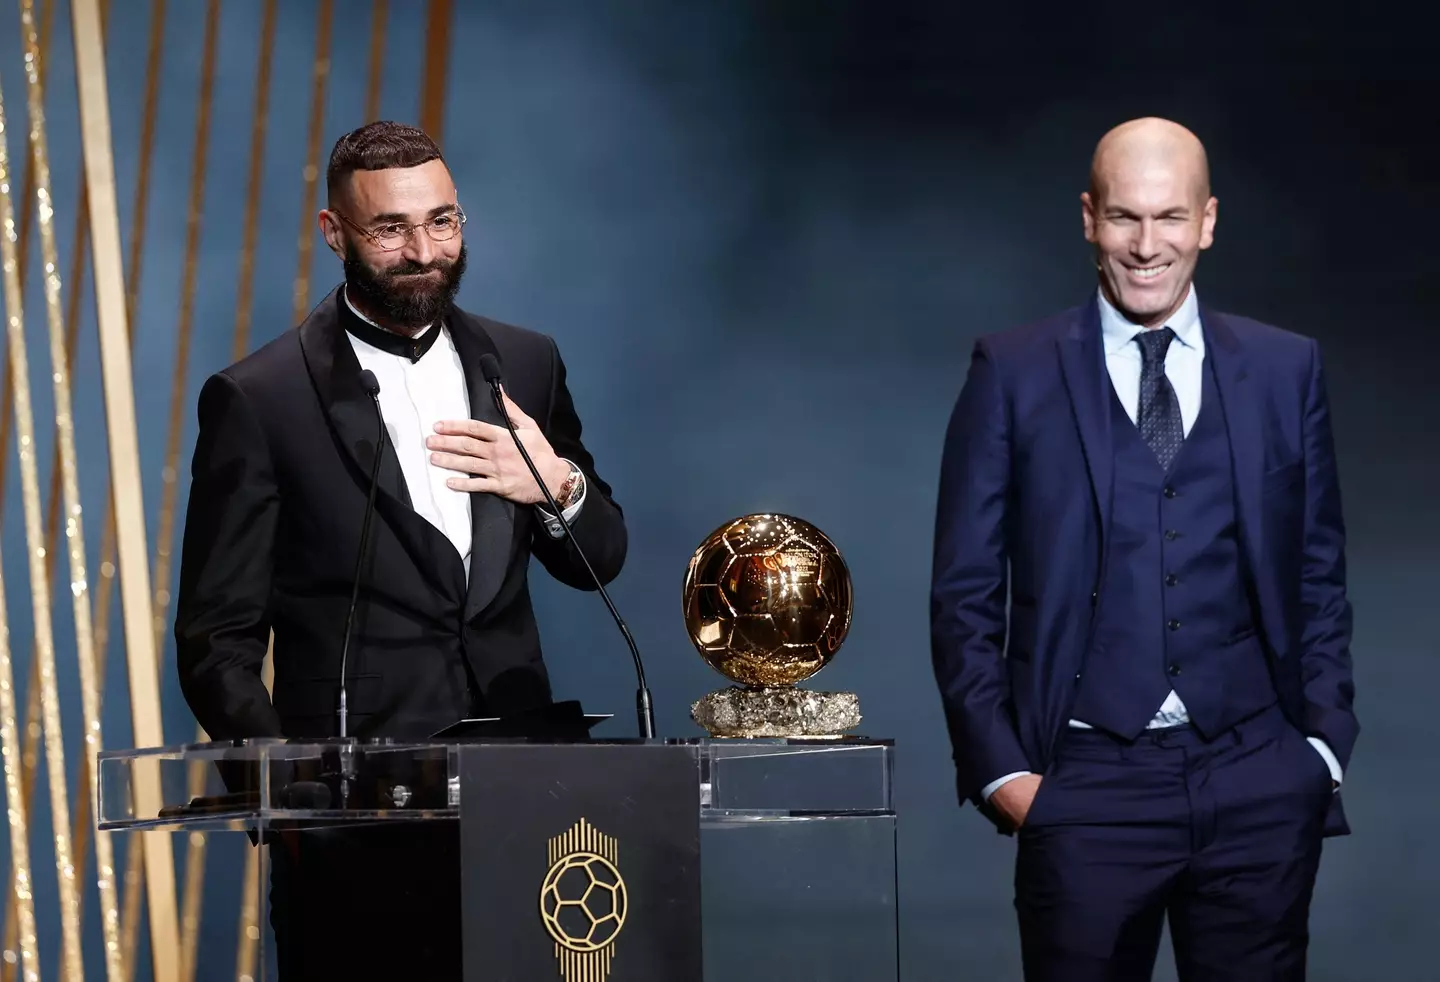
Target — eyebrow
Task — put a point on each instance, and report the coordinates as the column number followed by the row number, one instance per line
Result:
column 1178, row 212
column 395, row 216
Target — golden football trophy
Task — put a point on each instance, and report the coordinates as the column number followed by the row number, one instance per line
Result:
column 768, row 604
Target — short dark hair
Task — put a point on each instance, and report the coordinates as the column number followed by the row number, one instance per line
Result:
column 380, row 145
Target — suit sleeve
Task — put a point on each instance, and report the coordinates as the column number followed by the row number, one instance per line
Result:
column 599, row 526
column 968, row 585
column 1325, row 667
column 222, row 622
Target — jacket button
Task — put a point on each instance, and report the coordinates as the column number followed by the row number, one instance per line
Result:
column 1171, row 535
column 1094, row 597
column 1173, row 625
column 1169, row 492
column 1171, row 580
column 1174, row 669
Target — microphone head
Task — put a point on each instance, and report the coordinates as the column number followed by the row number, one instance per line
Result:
column 490, row 368
column 369, row 383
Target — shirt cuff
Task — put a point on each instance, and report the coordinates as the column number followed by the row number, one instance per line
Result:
column 994, row 785
column 1330, row 759
column 552, row 525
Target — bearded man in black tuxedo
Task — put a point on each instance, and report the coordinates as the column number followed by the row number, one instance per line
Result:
column 444, row 627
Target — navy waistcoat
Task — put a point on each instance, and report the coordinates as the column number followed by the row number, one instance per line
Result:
column 1174, row 609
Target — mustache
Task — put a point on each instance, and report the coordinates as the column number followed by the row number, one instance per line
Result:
column 411, row 268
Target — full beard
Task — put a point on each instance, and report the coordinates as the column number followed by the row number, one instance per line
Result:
column 396, row 301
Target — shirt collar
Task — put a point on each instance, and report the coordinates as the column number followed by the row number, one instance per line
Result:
column 364, row 329
column 1118, row 332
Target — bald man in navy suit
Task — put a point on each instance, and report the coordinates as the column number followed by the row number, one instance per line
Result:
column 1139, row 621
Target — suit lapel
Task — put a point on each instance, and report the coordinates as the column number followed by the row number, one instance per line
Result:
column 335, row 371
column 1082, row 361
column 1239, row 401
column 492, row 518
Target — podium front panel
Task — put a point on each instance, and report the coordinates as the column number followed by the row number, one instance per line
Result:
column 796, row 841
column 582, row 860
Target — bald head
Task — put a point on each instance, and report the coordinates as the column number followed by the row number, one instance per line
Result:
column 1149, row 215
column 1150, row 144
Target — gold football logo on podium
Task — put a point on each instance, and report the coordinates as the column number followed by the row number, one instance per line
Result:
column 583, row 902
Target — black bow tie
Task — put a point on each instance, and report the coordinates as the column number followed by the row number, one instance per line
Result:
column 396, row 344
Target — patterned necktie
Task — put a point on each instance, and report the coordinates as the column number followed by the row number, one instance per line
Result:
column 1160, row 424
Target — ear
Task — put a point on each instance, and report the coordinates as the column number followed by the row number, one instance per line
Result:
column 330, row 228
column 1207, row 223
column 1087, row 215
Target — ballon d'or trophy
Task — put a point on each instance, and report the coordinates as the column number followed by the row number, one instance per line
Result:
column 768, row 603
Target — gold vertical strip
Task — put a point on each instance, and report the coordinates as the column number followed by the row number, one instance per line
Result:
column 52, row 517
column 248, row 941
column 72, row 959
column 312, row 160
column 379, row 13
column 248, row 931
column 15, row 813
column 44, row 31
column 141, row 207
column 23, row 918
column 31, row 732
column 436, row 61
column 134, row 853
column 258, row 125
column 165, row 530
column 193, row 893
column 32, row 706
column 22, row 256
column 125, row 470
column 74, row 532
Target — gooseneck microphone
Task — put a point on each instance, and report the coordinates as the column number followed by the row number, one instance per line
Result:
column 371, row 385
column 644, row 711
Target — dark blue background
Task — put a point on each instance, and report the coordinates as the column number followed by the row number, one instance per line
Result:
column 765, row 236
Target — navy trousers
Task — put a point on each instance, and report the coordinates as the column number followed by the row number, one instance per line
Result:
column 1223, row 837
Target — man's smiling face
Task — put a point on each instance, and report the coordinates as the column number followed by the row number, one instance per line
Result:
column 1148, row 214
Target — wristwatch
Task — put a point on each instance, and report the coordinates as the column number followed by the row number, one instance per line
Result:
column 573, row 489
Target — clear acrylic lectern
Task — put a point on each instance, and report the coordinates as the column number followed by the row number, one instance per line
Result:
column 796, row 838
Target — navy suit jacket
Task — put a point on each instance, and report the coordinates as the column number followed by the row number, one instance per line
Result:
column 1021, row 535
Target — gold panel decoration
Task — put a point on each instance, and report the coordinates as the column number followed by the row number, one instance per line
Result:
column 584, row 902
column 141, row 660
column 141, row 894
column 28, row 956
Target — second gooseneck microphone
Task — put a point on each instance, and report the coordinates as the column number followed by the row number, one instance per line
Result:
column 644, row 710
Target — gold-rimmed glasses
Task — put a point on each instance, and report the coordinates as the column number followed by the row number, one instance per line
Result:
column 394, row 235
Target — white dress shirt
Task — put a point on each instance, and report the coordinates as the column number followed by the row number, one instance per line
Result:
column 1184, row 368
column 414, row 396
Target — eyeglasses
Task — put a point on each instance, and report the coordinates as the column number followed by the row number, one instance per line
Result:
column 394, row 235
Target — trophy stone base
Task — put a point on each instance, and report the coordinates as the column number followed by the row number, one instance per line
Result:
column 781, row 711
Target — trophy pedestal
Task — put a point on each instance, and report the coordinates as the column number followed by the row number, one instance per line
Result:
column 778, row 711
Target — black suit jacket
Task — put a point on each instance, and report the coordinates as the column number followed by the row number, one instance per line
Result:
column 272, row 533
